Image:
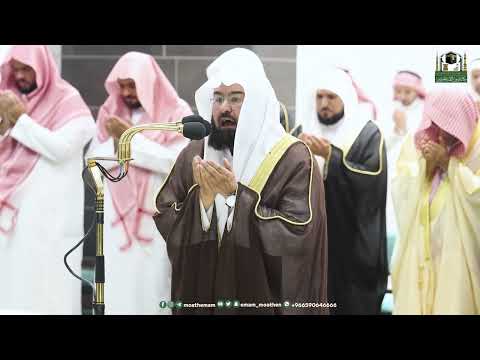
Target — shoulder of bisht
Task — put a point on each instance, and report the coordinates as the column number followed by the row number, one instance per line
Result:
column 370, row 130
column 266, row 168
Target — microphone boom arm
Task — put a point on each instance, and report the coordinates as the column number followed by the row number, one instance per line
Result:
column 96, row 171
column 124, row 143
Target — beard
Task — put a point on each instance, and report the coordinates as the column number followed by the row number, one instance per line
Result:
column 27, row 89
column 132, row 104
column 331, row 120
column 221, row 139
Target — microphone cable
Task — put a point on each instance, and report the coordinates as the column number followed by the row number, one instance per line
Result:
column 109, row 176
column 91, row 284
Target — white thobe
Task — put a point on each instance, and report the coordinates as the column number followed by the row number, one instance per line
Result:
column 394, row 143
column 138, row 279
column 50, row 201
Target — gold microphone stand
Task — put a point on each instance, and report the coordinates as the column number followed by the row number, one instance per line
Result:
column 96, row 171
column 98, row 304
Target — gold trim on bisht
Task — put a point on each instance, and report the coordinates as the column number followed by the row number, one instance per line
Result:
column 365, row 172
column 266, row 168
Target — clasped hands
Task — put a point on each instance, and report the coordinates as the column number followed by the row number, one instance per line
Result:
column 213, row 179
column 116, row 127
column 436, row 155
column 11, row 108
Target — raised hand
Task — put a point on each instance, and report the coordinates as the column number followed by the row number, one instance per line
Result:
column 116, row 126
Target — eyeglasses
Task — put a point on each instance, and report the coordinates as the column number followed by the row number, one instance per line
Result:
column 234, row 99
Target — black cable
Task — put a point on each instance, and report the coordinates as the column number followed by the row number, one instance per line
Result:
column 81, row 241
column 109, row 176
column 92, row 188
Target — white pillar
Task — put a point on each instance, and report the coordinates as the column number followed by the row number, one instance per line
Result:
column 3, row 51
column 57, row 54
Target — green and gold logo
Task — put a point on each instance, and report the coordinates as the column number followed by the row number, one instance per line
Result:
column 451, row 67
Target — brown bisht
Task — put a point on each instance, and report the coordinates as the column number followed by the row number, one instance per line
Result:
column 276, row 250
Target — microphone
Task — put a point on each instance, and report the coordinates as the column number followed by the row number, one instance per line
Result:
column 198, row 119
column 194, row 130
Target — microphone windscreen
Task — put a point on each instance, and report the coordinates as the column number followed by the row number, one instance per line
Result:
column 198, row 119
column 194, row 130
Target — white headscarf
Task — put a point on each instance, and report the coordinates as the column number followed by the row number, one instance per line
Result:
column 343, row 133
column 474, row 65
column 258, row 127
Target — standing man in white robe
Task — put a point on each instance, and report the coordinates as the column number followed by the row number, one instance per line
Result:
column 408, row 96
column 45, row 126
column 137, row 268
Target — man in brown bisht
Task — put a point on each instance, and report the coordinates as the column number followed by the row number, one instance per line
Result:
column 243, row 211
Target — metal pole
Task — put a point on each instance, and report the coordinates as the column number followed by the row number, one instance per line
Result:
column 99, row 301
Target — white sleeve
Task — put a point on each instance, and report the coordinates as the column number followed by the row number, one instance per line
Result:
column 393, row 140
column 206, row 216
column 105, row 149
column 153, row 156
column 230, row 217
column 57, row 145
column 97, row 149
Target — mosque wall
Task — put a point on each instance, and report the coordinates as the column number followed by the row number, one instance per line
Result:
column 87, row 66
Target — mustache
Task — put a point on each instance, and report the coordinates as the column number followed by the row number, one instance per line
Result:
column 225, row 117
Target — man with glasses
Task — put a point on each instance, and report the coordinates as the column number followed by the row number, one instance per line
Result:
column 243, row 212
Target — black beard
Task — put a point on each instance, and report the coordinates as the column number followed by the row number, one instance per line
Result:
column 133, row 106
column 221, row 139
column 137, row 105
column 28, row 90
column 332, row 120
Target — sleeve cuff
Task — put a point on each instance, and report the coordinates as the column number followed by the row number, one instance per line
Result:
column 20, row 126
column 206, row 216
column 332, row 155
column 231, row 211
column 230, row 219
column 327, row 162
